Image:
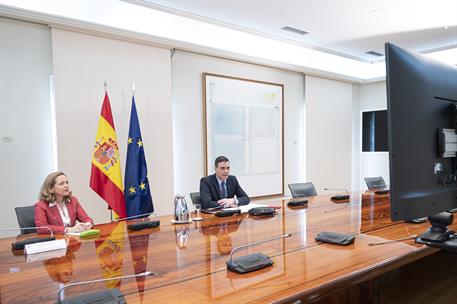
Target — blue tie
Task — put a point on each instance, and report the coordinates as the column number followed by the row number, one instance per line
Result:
column 223, row 190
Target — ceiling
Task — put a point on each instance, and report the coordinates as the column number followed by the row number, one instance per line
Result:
column 341, row 27
column 339, row 32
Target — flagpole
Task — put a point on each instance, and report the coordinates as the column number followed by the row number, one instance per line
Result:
column 133, row 89
column 105, row 85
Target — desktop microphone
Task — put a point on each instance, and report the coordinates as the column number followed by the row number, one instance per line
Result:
column 140, row 225
column 225, row 213
column 133, row 217
column 297, row 202
column 19, row 245
column 104, row 296
column 262, row 211
column 143, row 225
column 339, row 197
column 251, row 262
column 382, row 191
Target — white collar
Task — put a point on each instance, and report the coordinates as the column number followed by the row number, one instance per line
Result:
column 54, row 203
column 220, row 181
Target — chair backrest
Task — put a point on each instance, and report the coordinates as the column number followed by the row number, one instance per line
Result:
column 195, row 197
column 302, row 189
column 26, row 218
column 375, row 182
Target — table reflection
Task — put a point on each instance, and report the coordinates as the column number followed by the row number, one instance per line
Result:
column 60, row 269
column 181, row 236
column 222, row 231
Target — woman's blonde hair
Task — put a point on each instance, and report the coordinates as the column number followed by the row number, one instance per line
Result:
column 47, row 189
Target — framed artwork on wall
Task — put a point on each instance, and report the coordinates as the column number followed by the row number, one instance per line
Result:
column 243, row 120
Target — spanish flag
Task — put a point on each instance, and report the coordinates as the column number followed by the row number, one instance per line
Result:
column 105, row 177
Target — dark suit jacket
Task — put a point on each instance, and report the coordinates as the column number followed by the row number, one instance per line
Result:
column 210, row 194
column 50, row 216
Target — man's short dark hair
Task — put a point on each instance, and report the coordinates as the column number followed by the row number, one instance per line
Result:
column 220, row 159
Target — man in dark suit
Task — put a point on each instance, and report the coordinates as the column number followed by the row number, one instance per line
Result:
column 221, row 189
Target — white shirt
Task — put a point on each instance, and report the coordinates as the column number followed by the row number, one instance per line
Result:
column 63, row 213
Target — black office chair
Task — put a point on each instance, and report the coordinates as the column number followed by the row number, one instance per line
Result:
column 375, row 183
column 26, row 218
column 195, row 197
column 302, row 189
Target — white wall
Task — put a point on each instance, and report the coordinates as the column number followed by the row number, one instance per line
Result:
column 373, row 97
column 187, row 69
column 329, row 133
column 356, row 137
column 81, row 64
column 25, row 117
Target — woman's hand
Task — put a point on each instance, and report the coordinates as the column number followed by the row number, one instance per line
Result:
column 76, row 228
column 79, row 227
column 87, row 225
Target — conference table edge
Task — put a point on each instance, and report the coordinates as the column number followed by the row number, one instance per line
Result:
column 351, row 279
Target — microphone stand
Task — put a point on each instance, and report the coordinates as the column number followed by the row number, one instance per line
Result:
column 59, row 292
column 253, row 261
column 134, row 217
column 345, row 190
column 339, row 197
column 28, row 228
column 257, row 243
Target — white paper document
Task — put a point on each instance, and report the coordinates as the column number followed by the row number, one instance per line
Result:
column 45, row 246
column 246, row 208
column 42, row 256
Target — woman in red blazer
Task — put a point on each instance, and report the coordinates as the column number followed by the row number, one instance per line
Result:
column 58, row 209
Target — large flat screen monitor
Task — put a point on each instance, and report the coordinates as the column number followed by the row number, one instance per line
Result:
column 421, row 98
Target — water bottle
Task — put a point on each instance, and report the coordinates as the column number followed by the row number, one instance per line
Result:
column 181, row 210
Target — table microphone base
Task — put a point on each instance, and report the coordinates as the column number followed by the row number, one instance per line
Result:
column 297, row 202
column 143, row 225
column 19, row 245
column 340, row 197
column 249, row 263
column 113, row 296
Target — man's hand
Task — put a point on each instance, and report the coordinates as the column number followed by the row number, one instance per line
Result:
column 227, row 202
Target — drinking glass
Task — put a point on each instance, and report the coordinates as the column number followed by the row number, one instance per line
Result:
column 197, row 208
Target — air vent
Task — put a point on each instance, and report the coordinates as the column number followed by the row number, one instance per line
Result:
column 373, row 53
column 294, row 30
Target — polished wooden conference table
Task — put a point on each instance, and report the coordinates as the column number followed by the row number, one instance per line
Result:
column 189, row 260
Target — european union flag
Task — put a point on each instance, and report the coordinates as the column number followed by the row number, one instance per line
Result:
column 137, row 192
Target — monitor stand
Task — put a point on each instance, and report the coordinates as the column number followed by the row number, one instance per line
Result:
column 439, row 235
